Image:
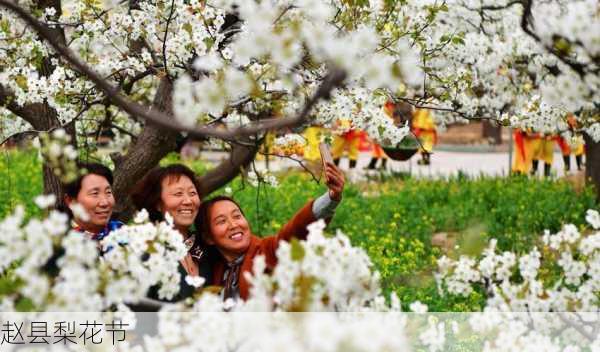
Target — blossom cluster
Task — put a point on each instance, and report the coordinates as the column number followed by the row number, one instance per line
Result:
column 59, row 153
column 256, row 177
column 289, row 145
column 54, row 268
column 313, row 275
column 234, row 62
column 562, row 275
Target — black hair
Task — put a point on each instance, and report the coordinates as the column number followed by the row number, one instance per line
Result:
column 202, row 221
column 146, row 194
column 72, row 189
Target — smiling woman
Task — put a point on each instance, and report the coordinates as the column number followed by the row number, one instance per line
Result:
column 173, row 190
column 89, row 201
column 222, row 223
column 169, row 190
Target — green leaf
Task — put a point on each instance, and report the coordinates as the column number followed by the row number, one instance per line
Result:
column 5, row 26
column 297, row 250
column 9, row 285
column 25, row 305
column 381, row 130
column 563, row 46
column 21, row 82
column 209, row 43
column 188, row 28
column 458, row 40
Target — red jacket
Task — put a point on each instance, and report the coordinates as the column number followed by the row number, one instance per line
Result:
column 267, row 246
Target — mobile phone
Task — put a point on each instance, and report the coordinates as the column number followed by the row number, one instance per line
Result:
column 325, row 154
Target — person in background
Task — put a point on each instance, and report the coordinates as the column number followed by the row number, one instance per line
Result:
column 313, row 136
column 92, row 191
column 348, row 142
column 424, row 128
column 222, row 222
column 522, row 160
column 543, row 149
column 575, row 146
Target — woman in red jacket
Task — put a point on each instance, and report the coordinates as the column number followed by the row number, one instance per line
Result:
column 222, row 223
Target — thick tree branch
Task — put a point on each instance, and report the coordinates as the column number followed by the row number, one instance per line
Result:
column 333, row 79
column 592, row 163
column 240, row 157
column 149, row 148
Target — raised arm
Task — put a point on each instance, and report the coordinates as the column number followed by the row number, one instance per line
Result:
column 321, row 208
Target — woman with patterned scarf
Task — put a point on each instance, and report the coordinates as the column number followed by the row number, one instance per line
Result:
column 173, row 190
column 222, row 223
column 92, row 192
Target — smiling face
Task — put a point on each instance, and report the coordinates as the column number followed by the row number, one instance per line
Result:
column 179, row 197
column 229, row 230
column 96, row 198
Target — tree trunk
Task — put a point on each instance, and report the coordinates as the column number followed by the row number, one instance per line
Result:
column 492, row 131
column 147, row 151
column 153, row 144
column 592, row 163
column 40, row 115
column 44, row 118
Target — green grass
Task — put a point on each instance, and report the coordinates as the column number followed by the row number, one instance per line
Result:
column 394, row 222
column 20, row 181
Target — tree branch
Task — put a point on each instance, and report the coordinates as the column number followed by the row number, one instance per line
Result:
column 496, row 7
column 580, row 328
column 333, row 79
column 526, row 17
column 227, row 170
column 300, row 162
column 164, row 46
column 22, row 133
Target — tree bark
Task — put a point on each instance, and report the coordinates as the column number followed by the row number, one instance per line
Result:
column 240, row 157
column 43, row 118
column 147, row 151
column 592, row 163
column 40, row 115
column 153, row 144
column 493, row 131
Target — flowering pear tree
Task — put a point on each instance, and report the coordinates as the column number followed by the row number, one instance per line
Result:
column 157, row 73
column 525, row 64
column 561, row 274
column 152, row 71
column 54, row 269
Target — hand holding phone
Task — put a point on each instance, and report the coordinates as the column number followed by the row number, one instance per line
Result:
column 325, row 154
column 334, row 178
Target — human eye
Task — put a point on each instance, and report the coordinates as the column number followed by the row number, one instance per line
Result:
column 220, row 219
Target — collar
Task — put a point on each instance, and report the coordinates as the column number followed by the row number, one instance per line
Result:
column 236, row 262
column 111, row 225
